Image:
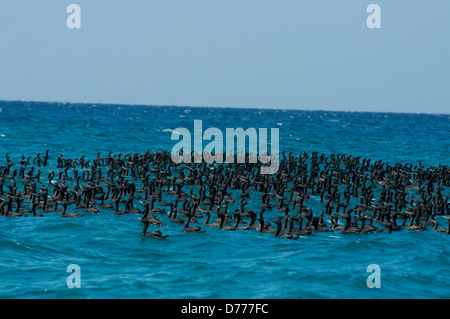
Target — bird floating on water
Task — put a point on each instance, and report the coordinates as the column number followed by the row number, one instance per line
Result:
column 311, row 193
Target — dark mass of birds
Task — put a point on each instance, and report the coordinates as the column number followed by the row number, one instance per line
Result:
column 357, row 195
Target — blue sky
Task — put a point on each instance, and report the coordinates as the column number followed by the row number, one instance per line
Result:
column 316, row 54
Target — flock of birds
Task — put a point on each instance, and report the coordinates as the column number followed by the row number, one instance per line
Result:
column 356, row 195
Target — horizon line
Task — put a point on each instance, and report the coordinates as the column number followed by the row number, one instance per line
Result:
column 221, row 106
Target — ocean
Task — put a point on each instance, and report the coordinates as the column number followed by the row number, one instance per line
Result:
column 115, row 261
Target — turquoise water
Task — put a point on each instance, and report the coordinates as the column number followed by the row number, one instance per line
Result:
column 116, row 262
